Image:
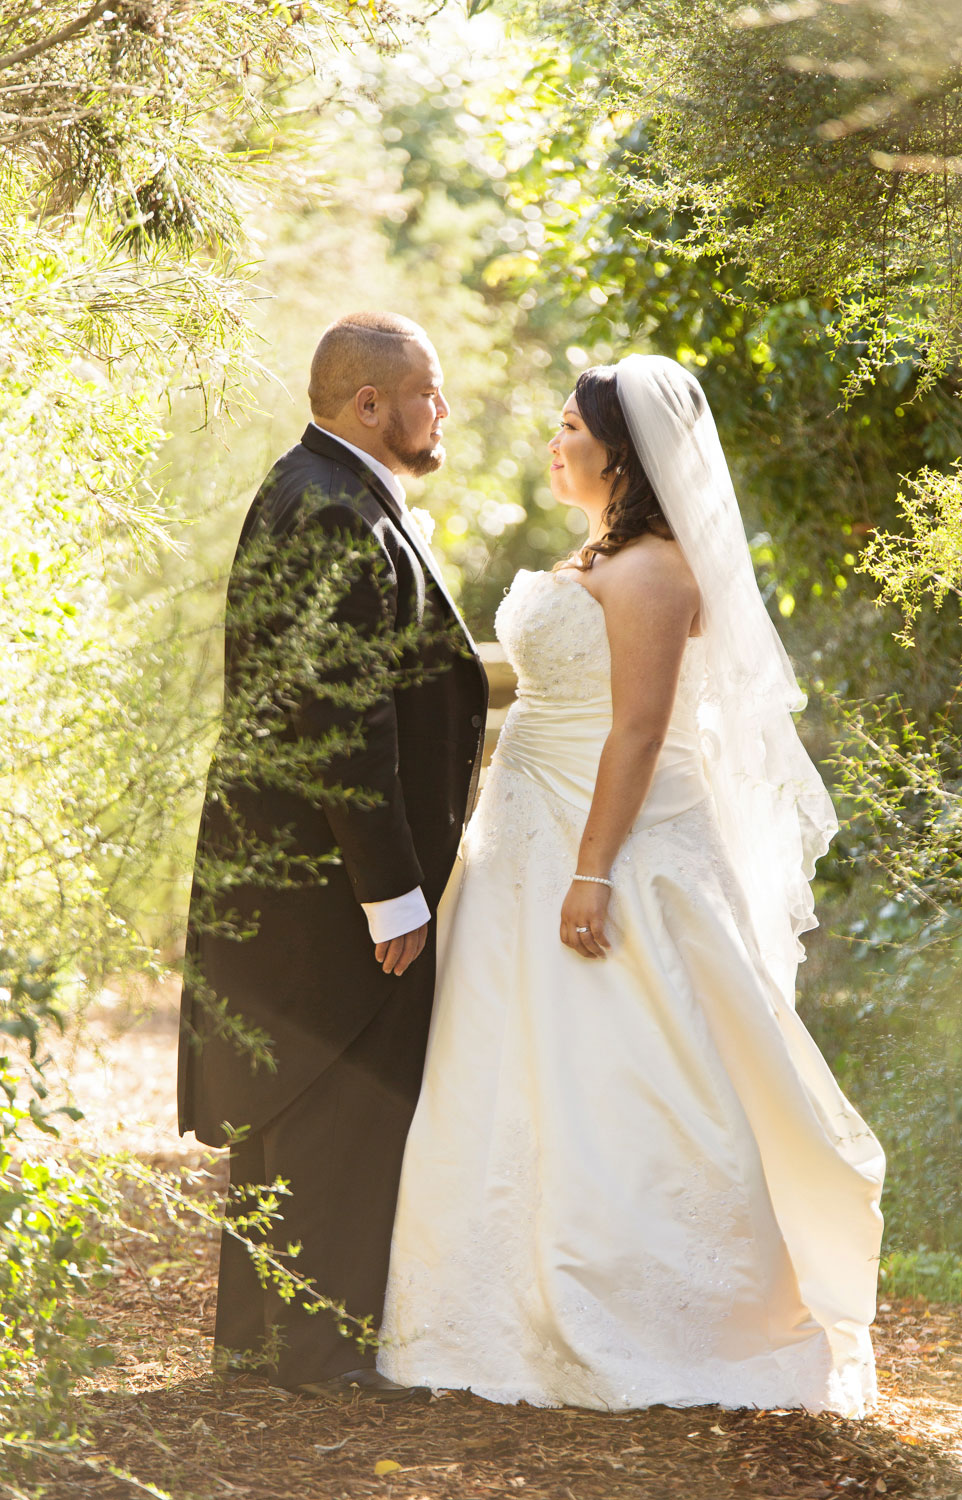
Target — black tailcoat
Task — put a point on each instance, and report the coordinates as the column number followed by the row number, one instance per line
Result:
column 308, row 977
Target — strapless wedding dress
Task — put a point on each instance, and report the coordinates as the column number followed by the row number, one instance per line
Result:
column 633, row 1180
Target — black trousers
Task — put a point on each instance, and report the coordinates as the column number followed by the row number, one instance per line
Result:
column 340, row 1145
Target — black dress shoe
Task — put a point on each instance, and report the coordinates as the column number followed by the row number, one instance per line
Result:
column 367, row 1382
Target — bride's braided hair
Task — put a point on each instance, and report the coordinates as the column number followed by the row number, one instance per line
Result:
column 633, row 509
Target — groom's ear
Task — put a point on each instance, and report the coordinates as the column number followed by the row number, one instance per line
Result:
column 367, row 405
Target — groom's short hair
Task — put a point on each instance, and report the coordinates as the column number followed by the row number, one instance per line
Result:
column 367, row 348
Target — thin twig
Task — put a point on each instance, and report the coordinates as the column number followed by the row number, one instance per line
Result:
column 24, row 54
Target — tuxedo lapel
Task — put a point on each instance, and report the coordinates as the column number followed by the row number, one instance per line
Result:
column 329, row 447
column 415, row 536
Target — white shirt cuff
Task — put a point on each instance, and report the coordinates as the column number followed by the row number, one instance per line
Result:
column 391, row 919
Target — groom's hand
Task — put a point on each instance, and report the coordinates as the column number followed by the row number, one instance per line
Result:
column 397, row 955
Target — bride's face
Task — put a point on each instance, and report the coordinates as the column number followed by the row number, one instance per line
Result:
column 577, row 461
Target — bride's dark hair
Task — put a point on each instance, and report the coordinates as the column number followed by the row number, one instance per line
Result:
column 633, row 509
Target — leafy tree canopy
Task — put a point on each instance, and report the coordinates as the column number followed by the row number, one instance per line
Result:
column 816, row 144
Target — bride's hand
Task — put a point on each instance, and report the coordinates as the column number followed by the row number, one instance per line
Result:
column 586, row 905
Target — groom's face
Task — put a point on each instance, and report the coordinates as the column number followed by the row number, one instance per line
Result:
column 412, row 433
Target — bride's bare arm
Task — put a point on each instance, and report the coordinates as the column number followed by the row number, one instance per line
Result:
column 650, row 602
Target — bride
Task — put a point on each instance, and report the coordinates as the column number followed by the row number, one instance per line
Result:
column 631, row 1177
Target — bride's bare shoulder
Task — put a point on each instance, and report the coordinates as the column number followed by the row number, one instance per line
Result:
column 652, row 562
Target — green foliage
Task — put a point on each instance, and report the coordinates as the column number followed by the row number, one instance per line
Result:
column 906, row 787
column 50, row 1212
column 815, row 476
column 96, row 727
column 121, row 195
column 935, row 1275
column 682, row 123
column 290, row 652
column 63, row 1232
column 51, row 1255
column 884, row 1011
column 132, row 108
column 254, row 1217
column 925, row 559
column 814, row 145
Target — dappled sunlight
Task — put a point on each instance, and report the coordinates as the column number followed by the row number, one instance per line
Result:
column 159, row 1414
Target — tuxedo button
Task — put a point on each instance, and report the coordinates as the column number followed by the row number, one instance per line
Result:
column 476, row 722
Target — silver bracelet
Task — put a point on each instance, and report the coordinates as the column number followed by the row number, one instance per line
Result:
column 596, row 879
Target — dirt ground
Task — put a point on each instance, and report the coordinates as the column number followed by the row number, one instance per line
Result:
column 159, row 1415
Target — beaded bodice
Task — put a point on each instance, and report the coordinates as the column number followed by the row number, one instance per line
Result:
column 558, row 645
column 553, row 633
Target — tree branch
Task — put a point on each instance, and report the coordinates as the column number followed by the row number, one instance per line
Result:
column 24, row 54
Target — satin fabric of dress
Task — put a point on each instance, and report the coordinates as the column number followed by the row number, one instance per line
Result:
column 633, row 1180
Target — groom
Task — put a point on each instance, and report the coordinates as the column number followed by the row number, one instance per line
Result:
column 341, row 975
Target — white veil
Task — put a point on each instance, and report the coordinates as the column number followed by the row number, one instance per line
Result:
column 775, row 815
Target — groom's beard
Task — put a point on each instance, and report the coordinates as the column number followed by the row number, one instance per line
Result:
column 416, row 461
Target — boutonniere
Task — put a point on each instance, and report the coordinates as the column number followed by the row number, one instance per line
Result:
column 423, row 520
